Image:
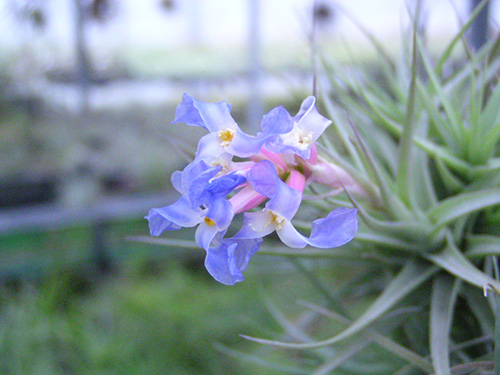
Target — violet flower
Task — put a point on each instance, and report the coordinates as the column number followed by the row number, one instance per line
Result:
column 338, row 228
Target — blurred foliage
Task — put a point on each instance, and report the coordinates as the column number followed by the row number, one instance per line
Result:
column 152, row 318
column 157, row 312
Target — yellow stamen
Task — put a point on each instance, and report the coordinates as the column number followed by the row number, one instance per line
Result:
column 226, row 137
column 209, row 221
column 277, row 220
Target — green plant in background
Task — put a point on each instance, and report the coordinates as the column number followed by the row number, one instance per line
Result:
column 421, row 135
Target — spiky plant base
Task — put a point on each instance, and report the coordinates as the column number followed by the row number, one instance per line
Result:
column 421, row 136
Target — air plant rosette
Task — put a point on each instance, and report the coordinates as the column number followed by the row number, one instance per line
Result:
column 413, row 153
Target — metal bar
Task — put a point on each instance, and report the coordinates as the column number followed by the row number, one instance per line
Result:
column 53, row 217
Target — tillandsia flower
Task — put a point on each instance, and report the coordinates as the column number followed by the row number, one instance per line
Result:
column 225, row 135
column 282, row 161
column 294, row 134
column 338, row 228
column 203, row 203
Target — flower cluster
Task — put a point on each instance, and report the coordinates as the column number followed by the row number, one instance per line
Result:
column 270, row 170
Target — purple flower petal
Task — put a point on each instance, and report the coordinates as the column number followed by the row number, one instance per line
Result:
column 256, row 225
column 338, row 228
column 221, row 212
column 244, row 145
column 205, row 234
column 263, row 178
column 158, row 223
column 173, row 217
column 290, row 236
column 209, row 148
column 310, row 120
column 196, row 170
column 211, row 116
column 285, row 201
column 227, row 262
column 203, row 191
column 307, row 127
column 277, row 121
column 176, row 179
column 217, row 219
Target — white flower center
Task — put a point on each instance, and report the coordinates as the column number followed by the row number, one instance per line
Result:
column 298, row 138
column 277, row 220
column 271, row 218
column 226, row 137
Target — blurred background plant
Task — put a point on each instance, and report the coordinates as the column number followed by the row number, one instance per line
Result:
column 86, row 149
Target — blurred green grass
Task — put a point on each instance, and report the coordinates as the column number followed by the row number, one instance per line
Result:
column 152, row 315
column 157, row 312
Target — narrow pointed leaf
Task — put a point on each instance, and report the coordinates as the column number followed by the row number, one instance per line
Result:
column 437, row 121
column 444, row 293
column 257, row 360
column 437, row 86
column 381, row 340
column 452, row 183
column 411, row 276
column 340, row 128
column 405, row 152
column 445, row 56
column 464, row 204
column 432, row 149
column 489, row 117
column 341, row 355
column 481, row 308
column 393, row 204
column 453, row 261
column 480, row 246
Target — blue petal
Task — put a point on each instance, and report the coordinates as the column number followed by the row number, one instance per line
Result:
column 338, row 228
column 205, row 234
column 276, row 145
column 197, row 171
column 309, row 119
column 221, row 212
column 244, row 145
column 291, row 237
column 222, row 186
column 202, row 192
column 209, row 147
column 194, row 170
column 158, row 224
column 177, row 215
column 211, row 116
column 176, row 179
column 263, row 178
column 285, row 201
column 227, row 262
column 277, row 121
column 256, row 225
